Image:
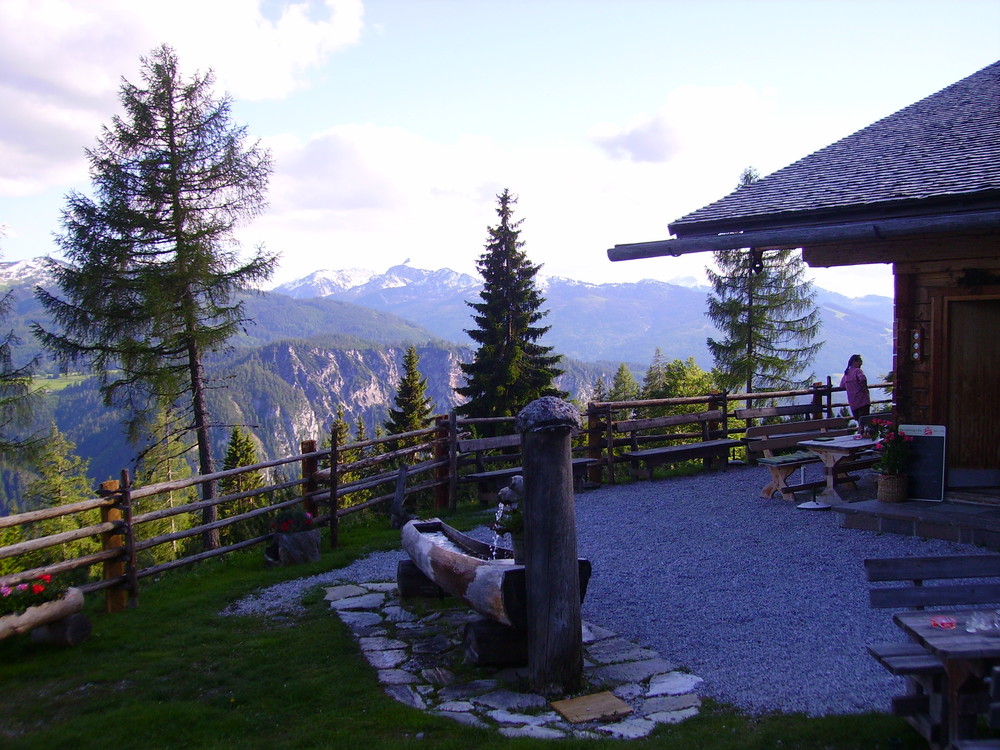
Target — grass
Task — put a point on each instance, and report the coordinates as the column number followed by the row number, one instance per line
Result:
column 57, row 383
column 174, row 674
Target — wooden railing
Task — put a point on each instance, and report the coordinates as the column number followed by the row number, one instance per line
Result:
column 332, row 483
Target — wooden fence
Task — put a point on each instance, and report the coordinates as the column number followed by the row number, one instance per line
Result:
column 399, row 466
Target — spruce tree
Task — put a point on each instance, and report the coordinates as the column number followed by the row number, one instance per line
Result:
column 153, row 267
column 510, row 368
column 413, row 409
column 764, row 307
column 241, row 451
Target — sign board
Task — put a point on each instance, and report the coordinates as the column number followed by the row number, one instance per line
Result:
column 927, row 461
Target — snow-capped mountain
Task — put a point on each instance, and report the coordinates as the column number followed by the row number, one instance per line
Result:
column 24, row 272
column 325, row 282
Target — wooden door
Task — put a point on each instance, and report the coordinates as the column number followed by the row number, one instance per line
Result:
column 972, row 396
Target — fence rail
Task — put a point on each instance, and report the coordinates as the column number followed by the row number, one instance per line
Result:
column 332, row 483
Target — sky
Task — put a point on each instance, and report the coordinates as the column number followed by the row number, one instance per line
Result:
column 394, row 124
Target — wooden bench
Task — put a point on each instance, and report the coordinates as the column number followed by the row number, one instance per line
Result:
column 482, row 451
column 769, row 444
column 709, row 448
column 960, row 580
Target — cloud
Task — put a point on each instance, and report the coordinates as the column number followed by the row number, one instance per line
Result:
column 649, row 140
column 62, row 63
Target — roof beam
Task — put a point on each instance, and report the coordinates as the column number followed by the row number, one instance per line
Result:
column 764, row 239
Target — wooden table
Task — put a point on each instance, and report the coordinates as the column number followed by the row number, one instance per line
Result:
column 831, row 452
column 967, row 658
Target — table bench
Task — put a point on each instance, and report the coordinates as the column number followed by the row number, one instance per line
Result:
column 960, row 580
column 490, row 481
column 768, row 445
column 709, row 448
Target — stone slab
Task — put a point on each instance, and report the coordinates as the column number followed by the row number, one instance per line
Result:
column 365, row 601
column 634, row 671
column 333, row 593
column 672, row 683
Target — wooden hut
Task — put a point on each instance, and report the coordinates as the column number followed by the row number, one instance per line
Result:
column 919, row 189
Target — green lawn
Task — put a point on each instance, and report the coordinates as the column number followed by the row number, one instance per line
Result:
column 174, row 674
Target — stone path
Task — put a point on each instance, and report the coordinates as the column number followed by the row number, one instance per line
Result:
column 416, row 647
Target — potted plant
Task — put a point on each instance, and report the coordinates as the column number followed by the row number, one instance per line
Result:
column 894, row 447
column 295, row 538
column 24, row 606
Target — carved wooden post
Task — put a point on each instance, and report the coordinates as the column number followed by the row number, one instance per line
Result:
column 310, row 466
column 552, row 576
column 441, row 453
column 116, row 598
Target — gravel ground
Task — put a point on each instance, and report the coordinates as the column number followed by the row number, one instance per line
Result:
column 767, row 603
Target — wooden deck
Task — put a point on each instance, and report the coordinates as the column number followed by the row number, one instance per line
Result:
column 966, row 522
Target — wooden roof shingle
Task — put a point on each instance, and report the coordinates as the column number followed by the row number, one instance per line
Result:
column 938, row 155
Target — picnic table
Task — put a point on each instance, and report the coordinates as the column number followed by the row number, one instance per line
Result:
column 833, row 451
column 968, row 659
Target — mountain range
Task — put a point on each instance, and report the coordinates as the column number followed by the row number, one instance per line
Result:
column 337, row 339
column 614, row 323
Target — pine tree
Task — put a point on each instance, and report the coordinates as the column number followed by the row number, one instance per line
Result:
column 764, row 307
column 413, row 407
column 164, row 460
column 62, row 479
column 510, row 368
column 653, row 383
column 153, row 266
column 241, row 451
column 624, row 386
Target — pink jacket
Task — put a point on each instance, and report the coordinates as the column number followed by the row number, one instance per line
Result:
column 856, row 385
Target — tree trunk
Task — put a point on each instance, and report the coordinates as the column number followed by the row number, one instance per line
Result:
column 210, row 538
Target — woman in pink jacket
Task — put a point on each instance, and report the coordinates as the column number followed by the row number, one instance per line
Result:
column 856, row 385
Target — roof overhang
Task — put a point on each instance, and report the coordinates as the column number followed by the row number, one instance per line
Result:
column 802, row 236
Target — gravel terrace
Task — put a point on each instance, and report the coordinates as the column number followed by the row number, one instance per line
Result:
column 767, row 603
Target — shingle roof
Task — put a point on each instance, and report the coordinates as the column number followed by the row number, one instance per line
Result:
column 943, row 150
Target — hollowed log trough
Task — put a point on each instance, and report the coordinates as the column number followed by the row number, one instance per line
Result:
column 482, row 575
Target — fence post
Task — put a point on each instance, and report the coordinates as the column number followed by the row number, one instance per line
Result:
column 829, row 397
column 334, row 489
column 441, row 453
column 131, row 567
column 593, row 443
column 115, row 599
column 452, row 460
column 309, row 468
column 817, row 403
column 611, row 447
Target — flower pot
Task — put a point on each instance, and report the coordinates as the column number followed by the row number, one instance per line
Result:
column 892, row 487
column 70, row 603
column 299, row 547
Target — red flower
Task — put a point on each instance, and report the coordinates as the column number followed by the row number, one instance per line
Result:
column 46, row 578
column 37, row 588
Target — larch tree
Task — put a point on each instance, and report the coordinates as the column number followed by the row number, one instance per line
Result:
column 153, row 268
column 764, row 308
column 510, row 367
